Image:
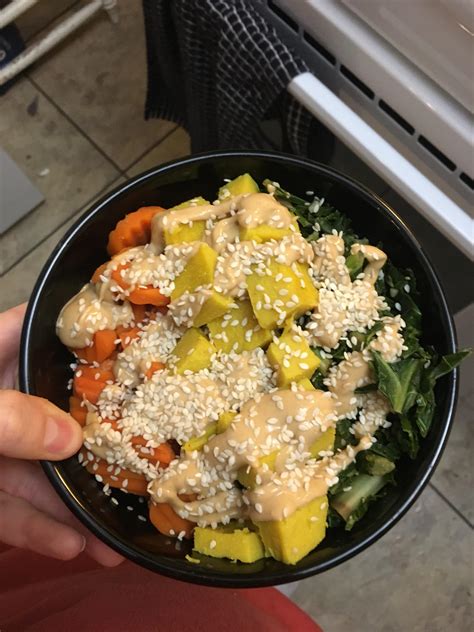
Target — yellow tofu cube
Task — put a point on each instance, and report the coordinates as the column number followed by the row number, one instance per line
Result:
column 292, row 358
column 284, row 293
column 183, row 233
column 324, row 443
column 195, row 201
column 215, row 306
column 197, row 443
column 224, row 421
column 306, row 384
column 193, row 352
column 246, row 475
column 199, row 271
column 239, row 186
column 238, row 544
column 238, row 330
column 262, row 233
column 289, row 540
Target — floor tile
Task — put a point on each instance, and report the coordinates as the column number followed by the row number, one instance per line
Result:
column 417, row 578
column 42, row 14
column 454, row 475
column 105, row 93
column 64, row 165
column 17, row 283
column 176, row 145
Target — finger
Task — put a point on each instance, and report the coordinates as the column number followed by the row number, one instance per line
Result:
column 10, row 332
column 23, row 526
column 33, row 428
column 28, row 481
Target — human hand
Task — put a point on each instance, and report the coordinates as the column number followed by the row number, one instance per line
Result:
column 32, row 516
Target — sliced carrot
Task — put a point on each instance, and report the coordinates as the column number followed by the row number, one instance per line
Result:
column 115, row 476
column 127, row 334
column 133, row 230
column 155, row 366
column 104, row 343
column 148, row 296
column 90, row 381
column 87, row 354
column 78, row 412
column 117, row 276
column 168, row 522
column 95, row 278
column 139, row 313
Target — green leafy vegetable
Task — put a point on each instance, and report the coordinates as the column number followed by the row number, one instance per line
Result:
column 374, row 464
column 352, row 504
column 399, row 381
column 355, row 264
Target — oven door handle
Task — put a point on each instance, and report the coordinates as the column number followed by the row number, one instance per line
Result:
column 385, row 160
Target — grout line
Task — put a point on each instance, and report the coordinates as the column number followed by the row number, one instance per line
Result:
column 56, row 228
column 32, row 36
column 74, row 124
column 453, row 507
column 132, row 164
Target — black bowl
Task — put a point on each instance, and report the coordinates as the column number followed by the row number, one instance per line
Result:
column 44, row 368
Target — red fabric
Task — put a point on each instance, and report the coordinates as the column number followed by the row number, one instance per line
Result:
column 42, row 595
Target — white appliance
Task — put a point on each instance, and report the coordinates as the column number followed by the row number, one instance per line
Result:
column 393, row 81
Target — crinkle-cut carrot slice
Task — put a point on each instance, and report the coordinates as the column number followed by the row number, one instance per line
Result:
column 95, row 278
column 103, row 347
column 90, row 381
column 148, row 296
column 133, row 230
column 162, row 454
column 77, row 412
column 116, row 275
column 114, row 475
column 104, row 344
column 127, row 335
column 168, row 522
column 155, row 366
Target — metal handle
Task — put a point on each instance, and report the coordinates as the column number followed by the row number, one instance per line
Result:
column 386, row 161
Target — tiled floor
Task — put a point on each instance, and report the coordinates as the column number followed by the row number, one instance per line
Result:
column 78, row 131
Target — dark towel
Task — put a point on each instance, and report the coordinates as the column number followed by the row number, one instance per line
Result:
column 218, row 68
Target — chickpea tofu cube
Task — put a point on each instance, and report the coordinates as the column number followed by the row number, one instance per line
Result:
column 238, row 330
column 215, row 306
column 306, row 384
column 289, row 540
column 278, row 292
column 292, row 359
column 235, row 544
column 183, row 233
column 241, row 185
column 324, row 443
column 247, row 474
column 193, row 352
column 198, row 272
column 262, row 233
column 224, row 421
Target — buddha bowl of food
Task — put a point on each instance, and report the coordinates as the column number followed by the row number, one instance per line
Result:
column 262, row 361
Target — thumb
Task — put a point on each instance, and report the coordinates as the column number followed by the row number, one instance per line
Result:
column 33, row 428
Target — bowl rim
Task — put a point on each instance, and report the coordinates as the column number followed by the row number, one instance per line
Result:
column 168, row 566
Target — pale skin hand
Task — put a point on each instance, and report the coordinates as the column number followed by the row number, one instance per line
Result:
column 32, row 516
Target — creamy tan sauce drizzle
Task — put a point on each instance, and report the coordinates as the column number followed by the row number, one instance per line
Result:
column 85, row 314
column 343, row 305
column 283, row 421
column 247, row 211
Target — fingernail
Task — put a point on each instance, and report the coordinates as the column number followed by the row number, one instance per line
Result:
column 57, row 435
column 83, row 544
